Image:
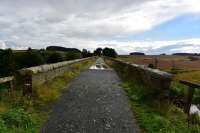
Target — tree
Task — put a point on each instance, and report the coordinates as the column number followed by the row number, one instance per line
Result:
column 7, row 63
column 98, row 52
column 85, row 53
column 137, row 53
column 54, row 57
column 28, row 59
column 72, row 55
column 63, row 49
column 109, row 52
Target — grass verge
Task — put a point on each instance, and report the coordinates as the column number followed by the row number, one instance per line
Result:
column 150, row 120
column 23, row 114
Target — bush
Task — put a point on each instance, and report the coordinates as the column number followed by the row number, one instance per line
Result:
column 149, row 119
column 98, row 52
column 54, row 57
column 28, row 59
column 85, row 53
column 3, row 128
column 7, row 64
column 72, row 55
column 196, row 97
column 51, row 90
column 10, row 62
column 3, row 90
column 109, row 52
column 17, row 118
column 151, row 66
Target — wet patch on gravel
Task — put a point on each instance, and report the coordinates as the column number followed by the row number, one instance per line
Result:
column 99, row 65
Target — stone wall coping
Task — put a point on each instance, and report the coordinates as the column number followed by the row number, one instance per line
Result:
column 6, row 79
column 47, row 67
column 157, row 72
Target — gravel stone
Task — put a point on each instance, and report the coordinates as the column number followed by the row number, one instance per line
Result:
column 93, row 103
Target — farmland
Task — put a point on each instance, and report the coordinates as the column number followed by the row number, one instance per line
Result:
column 184, row 67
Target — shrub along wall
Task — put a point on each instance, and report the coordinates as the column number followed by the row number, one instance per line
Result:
column 155, row 83
column 13, row 60
column 34, row 76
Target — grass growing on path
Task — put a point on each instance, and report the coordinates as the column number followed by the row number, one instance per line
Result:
column 149, row 119
column 23, row 114
column 56, row 86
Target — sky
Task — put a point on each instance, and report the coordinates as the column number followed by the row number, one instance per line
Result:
column 150, row 26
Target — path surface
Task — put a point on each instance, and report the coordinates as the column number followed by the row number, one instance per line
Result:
column 94, row 103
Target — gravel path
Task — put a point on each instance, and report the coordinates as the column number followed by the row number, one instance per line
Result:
column 93, row 103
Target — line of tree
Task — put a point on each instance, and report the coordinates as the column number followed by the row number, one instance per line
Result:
column 12, row 60
column 187, row 54
column 110, row 52
column 86, row 53
column 59, row 48
column 137, row 53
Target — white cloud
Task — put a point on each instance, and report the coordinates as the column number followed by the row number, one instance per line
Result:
column 2, row 44
column 87, row 23
column 153, row 47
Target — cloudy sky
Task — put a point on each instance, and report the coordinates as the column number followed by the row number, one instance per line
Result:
column 151, row 26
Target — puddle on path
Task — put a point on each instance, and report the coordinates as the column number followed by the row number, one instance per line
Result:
column 100, row 65
column 97, row 67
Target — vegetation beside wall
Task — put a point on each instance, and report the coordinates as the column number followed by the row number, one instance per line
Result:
column 144, row 102
column 26, row 114
column 150, row 119
column 184, row 67
column 155, row 84
column 192, row 76
column 109, row 52
column 11, row 61
column 56, row 86
column 180, row 95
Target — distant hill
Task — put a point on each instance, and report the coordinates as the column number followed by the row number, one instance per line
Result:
column 187, row 54
column 59, row 48
column 137, row 53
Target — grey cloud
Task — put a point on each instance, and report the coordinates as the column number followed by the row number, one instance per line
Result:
column 76, row 23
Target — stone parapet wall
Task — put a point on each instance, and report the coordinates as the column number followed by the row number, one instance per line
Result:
column 155, row 81
column 150, row 77
column 37, row 75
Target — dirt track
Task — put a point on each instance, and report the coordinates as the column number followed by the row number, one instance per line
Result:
column 94, row 103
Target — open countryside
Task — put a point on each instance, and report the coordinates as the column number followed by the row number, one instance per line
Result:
column 184, row 67
column 89, row 66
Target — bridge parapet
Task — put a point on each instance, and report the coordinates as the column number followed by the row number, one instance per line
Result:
column 34, row 76
column 154, row 80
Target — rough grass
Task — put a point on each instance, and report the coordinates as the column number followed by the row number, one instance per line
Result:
column 23, row 114
column 182, row 66
column 52, row 90
column 3, row 107
column 193, row 76
column 150, row 120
